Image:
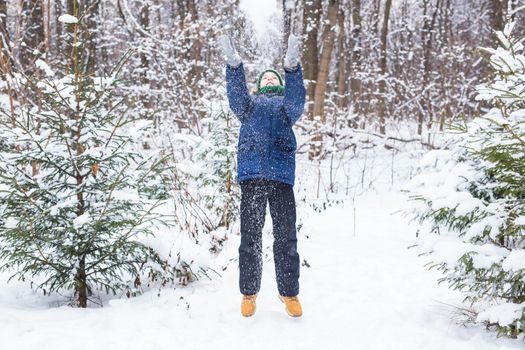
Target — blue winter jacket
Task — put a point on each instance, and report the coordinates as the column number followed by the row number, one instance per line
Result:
column 267, row 145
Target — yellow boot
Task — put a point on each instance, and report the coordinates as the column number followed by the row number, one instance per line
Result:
column 248, row 305
column 292, row 305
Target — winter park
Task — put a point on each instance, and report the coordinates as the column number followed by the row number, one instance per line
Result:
column 295, row 174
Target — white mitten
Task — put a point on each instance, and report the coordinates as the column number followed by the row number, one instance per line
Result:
column 232, row 58
column 292, row 53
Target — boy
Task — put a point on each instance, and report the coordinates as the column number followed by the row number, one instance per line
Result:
column 266, row 171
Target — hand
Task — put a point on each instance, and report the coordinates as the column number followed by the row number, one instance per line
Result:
column 232, row 58
column 292, row 53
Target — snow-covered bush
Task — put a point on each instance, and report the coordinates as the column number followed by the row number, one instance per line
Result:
column 219, row 171
column 473, row 198
column 205, row 166
column 78, row 194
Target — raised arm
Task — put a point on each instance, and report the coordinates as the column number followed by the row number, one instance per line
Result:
column 241, row 102
column 236, row 88
column 294, row 91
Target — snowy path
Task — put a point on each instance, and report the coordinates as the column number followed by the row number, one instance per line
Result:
column 361, row 292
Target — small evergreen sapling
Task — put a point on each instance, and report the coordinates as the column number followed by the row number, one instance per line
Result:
column 77, row 192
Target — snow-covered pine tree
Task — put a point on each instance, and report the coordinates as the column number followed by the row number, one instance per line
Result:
column 77, row 192
column 473, row 196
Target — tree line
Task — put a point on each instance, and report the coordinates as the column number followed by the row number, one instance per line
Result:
column 368, row 63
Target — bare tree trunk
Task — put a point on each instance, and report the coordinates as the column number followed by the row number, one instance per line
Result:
column 104, row 52
column 33, row 34
column 196, row 69
column 89, row 10
column 3, row 15
column 196, row 49
column 58, row 27
column 497, row 15
column 342, row 99
column 324, row 63
column 355, row 81
column 48, row 32
column 382, row 67
column 144, row 60
column 311, row 19
column 446, row 114
column 188, row 15
column 31, row 48
column 322, row 76
column 287, row 23
column 5, row 60
column 375, row 17
column 426, row 110
column 73, row 9
column 92, row 20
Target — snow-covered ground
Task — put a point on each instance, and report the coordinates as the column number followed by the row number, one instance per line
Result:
column 363, row 289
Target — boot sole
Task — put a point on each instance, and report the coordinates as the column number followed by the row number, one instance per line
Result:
column 248, row 315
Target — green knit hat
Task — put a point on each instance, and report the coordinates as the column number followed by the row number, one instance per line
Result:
column 276, row 89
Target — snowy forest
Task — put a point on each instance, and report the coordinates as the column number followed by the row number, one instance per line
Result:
column 119, row 190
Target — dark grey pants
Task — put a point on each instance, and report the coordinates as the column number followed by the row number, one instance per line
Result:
column 255, row 193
